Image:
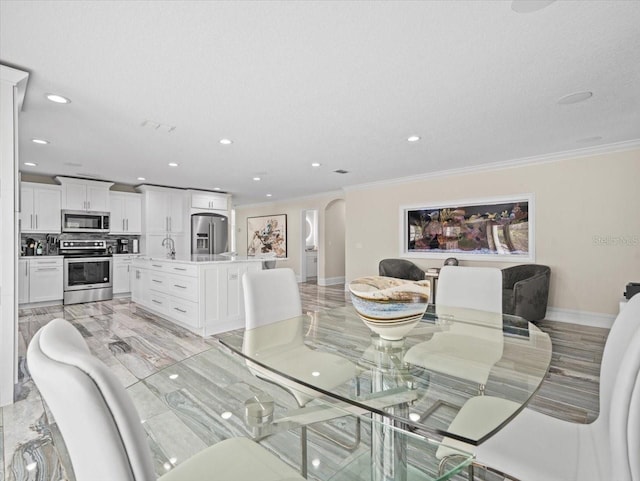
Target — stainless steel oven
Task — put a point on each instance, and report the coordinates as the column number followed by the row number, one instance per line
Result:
column 88, row 271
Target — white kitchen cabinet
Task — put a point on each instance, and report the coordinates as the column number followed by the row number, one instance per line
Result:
column 23, row 281
column 312, row 264
column 139, row 284
column 40, row 208
column 81, row 194
column 209, row 200
column 206, row 297
column 126, row 213
column 122, row 274
column 224, row 297
column 45, row 279
column 163, row 210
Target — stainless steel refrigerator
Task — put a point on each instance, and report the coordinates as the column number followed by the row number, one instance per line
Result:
column 209, row 234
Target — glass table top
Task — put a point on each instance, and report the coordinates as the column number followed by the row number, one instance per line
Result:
column 419, row 381
column 214, row 395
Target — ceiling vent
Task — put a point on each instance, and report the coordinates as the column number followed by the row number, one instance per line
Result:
column 341, row 171
column 150, row 124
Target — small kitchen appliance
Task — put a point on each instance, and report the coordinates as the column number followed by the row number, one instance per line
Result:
column 85, row 221
column 123, row 246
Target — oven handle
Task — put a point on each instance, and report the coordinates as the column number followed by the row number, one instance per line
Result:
column 75, row 260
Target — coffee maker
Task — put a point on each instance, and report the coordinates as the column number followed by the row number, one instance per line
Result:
column 123, row 246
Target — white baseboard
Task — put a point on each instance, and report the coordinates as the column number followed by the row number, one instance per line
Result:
column 584, row 318
column 330, row 281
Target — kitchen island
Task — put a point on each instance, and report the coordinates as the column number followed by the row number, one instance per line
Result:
column 202, row 293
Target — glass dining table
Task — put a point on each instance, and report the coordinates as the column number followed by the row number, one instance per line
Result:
column 219, row 393
column 414, row 384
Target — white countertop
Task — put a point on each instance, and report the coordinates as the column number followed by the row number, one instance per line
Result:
column 210, row 259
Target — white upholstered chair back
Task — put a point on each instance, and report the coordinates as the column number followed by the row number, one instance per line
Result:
column 95, row 415
column 620, row 392
column 470, row 287
column 270, row 295
column 627, row 322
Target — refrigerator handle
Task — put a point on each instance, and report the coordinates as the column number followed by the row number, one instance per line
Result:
column 212, row 240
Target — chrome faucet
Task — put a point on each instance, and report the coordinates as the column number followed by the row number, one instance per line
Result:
column 171, row 247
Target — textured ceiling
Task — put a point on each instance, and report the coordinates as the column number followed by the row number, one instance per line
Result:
column 291, row 83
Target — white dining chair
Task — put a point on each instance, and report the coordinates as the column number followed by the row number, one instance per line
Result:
column 465, row 350
column 537, row 447
column 102, row 430
column 274, row 334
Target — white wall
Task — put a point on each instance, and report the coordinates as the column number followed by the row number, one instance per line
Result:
column 587, row 223
column 334, row 238
column 12, row 88
column 293, row 209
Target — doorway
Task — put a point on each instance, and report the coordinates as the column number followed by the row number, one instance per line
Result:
column 309, row 245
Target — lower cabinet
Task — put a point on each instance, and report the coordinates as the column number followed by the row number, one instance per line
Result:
column 205, row 298
column 139, row 284
column 122, row 274
column 23, row 281
column 45, row 279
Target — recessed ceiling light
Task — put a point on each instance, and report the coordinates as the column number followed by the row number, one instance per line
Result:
column 575, row 98
column 59, row 99
column 226, row 141
column 40, row 141
column 413, row 138
column 316, row 164
column 226, row 415
column 142, row 178
column 269, row 195
column 529, row 6
column 216, row 188
column 256, row 178
column 31, row 164
column 173, row 376
column 173, row 164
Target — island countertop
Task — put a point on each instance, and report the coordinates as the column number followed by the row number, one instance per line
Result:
column 200, row 259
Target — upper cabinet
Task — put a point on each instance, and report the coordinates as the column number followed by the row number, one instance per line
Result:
column 209, row 200
column 163, row 210
column 81, row 194
column 126, row 213
column 40, row 208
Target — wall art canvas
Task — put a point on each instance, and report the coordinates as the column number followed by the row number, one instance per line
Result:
column 267, row 235
column 499, row 228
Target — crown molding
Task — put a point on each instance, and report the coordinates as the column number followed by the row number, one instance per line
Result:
column 17, row 78
column 507, row 164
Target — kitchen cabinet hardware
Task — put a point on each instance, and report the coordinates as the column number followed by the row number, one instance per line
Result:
column 178, row 285
column 180, row 310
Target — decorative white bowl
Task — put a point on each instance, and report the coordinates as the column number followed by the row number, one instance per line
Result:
column 392, row 331
column 388, row 306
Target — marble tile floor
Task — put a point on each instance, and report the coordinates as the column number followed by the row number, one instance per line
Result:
column 136, row 345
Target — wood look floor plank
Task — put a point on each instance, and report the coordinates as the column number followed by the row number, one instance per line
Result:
column 136, row 344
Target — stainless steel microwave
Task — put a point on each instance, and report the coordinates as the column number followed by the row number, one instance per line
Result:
column 84, row 221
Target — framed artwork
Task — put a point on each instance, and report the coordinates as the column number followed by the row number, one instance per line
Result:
column 498, row 228
column 267, row 236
